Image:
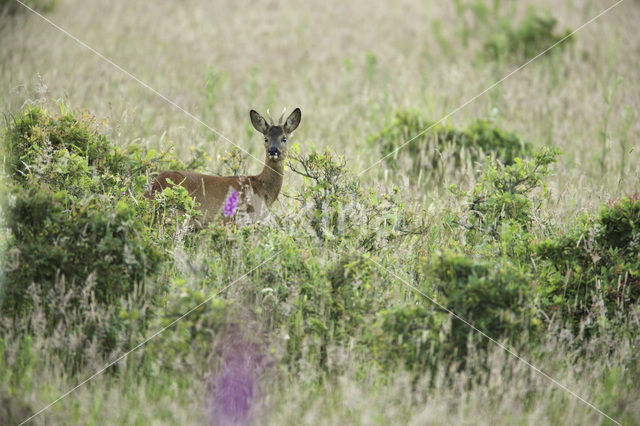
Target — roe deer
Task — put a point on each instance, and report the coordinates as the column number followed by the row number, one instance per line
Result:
column 255, row 193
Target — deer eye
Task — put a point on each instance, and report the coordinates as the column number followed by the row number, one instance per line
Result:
column 266, row 140
column 284, row 140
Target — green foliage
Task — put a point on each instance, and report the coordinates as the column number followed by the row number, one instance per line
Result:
column 20, row 375
column 505, row 37
column 586, row 273
column 330, row 309
column 78, row 233
column 67, row 150
column 11, row 6
column 620, row 224
column 593, row 269
column 58, row 236
column 343, row 339
column 504, row 195
column 78, row 226
column 175, row 211
column 334, row 207
column 352, row 296
column 406, row 336
column 234, row 160
column 532, row 36
column 187, row 346
column 36, row 143
column 440, row 145
column 491, row 295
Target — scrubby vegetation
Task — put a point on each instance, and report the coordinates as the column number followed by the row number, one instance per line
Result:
column 507, row 36
column 77, row 236
column 532, row 36
column 401, row 295
column 443, row 146
column 592, row 271
column 82, row 239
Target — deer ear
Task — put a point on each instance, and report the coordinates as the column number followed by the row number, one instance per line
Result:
column 293, row 120
column 258, row 122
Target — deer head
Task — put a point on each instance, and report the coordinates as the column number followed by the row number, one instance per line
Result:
column 275, row 135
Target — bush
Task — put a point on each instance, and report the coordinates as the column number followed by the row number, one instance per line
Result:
column 12, row 7
column 533, row 35
column 187, row 345
column 37, row 144
column 491, row 295
column 333, row 206
column 76, row 221
column 330, row 310
column 443, row 144
column 592, row 271
column 57, row 236
column 506, row 195
column 406, row 336
column 352, row 298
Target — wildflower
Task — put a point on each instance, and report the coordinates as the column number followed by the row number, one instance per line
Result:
column 233, row 391
column 231, row 204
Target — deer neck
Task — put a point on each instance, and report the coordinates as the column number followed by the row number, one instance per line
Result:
column 269, row 182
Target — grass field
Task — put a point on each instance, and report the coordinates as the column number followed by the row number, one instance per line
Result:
column 320, row 325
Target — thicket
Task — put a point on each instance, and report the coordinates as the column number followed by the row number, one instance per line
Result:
column 506, row 37
column 591, row 271
column 586, row 276
column 531, row 37
column 444, row 146
column 78, row 228
column 339, row 211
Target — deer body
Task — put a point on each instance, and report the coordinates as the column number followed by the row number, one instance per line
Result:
column 255, row 193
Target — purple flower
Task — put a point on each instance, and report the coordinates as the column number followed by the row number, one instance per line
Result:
column 231, row 204
column 233, row 391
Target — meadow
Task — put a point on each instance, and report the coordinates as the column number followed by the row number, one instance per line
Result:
column 419, row 267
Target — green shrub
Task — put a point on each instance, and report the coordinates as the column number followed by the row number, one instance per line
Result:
column 176, row 212
column 330, row 310
column 188, row 343
column 352, row 298
column 444, row 144
column 57, row 235
column 38, row 142
column 77, row 223
column 533, row 35
column 14, row 409
column 507, row 195
column 11, row 6
column 593, row 269
column 67, row 150
column 491, row 295
column 406, row 336
column 333, row 206
column 620, row 225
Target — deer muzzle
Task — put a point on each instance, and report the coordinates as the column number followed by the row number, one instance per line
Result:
column 273, row 153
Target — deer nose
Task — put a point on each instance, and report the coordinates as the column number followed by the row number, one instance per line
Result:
column 273, row 153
